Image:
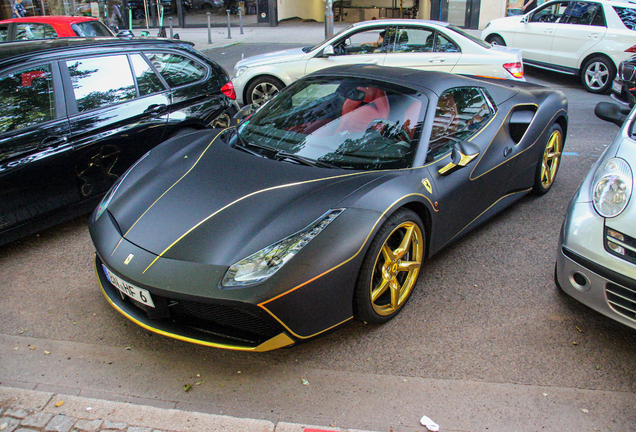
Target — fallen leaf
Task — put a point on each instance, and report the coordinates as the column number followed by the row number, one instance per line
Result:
column 304, row 381
column 3, row 426
column 584, row 410
column 47, row 352
column 545, row 394
column 32, row 347
column 238, row 372
column 187, row 387
column 575, row 343
column 59, row 403
column 580, row 331
column 88, row 408
column 128, row 348
column 199, row 382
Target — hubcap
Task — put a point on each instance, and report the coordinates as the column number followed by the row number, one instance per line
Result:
column 396, row 268
column 551, row 159
column 596, row 75
column 263, row 92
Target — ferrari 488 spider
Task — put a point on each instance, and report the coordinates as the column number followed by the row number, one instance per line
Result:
column 322, row 205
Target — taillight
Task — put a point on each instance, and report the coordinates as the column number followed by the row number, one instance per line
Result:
column 515, row 69
column 632, row 49
column 228, row 90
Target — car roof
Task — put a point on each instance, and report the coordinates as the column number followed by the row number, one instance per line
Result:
column 50, row 19
column 398, row 21
column 17, row 52
column 426, row 80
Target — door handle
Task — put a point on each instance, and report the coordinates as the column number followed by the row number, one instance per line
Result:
column 374, row 61
column 507, row 151
column 437, row 60
column 155, row 109
column 53, row 141
column 548, row 31
column 593, row 36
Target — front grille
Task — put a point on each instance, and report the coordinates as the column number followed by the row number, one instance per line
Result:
column 622, row 300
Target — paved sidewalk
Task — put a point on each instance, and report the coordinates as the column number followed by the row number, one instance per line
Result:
column 24, row 410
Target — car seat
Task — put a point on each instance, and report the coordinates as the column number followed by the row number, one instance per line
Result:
column 358, row 113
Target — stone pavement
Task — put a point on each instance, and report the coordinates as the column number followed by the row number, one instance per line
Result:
column 23, row 410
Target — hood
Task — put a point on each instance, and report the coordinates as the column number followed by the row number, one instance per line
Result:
column 508, row 22
column 207, row 202
column 283, row 56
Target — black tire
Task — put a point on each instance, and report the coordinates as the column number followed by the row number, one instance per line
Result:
column 496, row 40
column 375, row 300
column 549, row 161
column 262, row 89
column 597, row 74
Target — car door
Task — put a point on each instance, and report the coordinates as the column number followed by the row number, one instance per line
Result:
column 535, row 34
column 117, row 109
column 581, row 27
column 35, row 153
column 366, row 46
column 467, row 164
column 423, row 48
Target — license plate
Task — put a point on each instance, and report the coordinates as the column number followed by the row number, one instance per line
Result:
column 132, row 291
column 617, row 87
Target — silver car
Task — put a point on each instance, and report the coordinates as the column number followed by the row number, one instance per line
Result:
column 429, row 45
column 596, row 262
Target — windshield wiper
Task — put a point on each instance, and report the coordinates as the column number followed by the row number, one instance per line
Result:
column 281, row 155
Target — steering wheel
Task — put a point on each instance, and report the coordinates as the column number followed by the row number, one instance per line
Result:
column 547, row 18
column 340, row 49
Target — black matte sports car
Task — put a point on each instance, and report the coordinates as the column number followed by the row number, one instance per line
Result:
column 322, row 205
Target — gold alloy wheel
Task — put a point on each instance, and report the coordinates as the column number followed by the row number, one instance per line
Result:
column 551, row 159
column 396, row 268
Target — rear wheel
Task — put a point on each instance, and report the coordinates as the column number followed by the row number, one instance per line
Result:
column 549, row 161
column 496, row 40
column 263, row 89
column 390, row 269
column 597, row 74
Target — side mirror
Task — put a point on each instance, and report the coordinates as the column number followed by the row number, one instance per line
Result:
column 125, row 34
column 464, row 152
column 176, row 36
column 245, row 112
column 328, row 51
column 525, row 19
column 611, row 112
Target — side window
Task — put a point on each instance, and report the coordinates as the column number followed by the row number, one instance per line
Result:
column 90, row 29
column 550, row 13
column 410, row 40
column 176, row 69
column 581, row 13
column 147, row 80
column 627, row 16
column 26, row 98
column 29, row 31
column 376, row 40
column 444, row 44
column 460, row 112
column 101, row 81
column 4, row 33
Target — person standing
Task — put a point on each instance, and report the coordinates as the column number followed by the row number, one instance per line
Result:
column 528, row 5
column 18, row 9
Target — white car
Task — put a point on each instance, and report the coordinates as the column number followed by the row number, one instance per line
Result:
column 417, row 44
column 582, row 38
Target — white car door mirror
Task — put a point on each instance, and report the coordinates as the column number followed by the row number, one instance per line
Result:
column 328, row 51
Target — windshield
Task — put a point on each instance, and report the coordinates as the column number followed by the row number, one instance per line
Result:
column 311, row 48
column 348, row 123
column 469, row 36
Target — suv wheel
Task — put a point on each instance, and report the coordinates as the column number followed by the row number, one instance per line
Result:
column 597, row 74
column 263, row 89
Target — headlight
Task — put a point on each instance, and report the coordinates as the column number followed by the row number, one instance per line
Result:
column 612, row 187
column 103, row 205
column 239, row 71
column 264, row 263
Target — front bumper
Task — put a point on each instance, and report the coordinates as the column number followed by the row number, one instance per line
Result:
column 588, row 273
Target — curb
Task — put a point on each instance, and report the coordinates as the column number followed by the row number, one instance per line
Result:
column 24, row 410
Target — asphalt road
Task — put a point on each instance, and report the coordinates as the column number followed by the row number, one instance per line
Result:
column 487, row 342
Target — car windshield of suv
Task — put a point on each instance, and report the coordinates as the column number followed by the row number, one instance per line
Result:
column 348, row 123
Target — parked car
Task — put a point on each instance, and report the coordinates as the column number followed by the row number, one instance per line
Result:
column 48, row 27
column 582, row 38
column 427, row 45
column 624, row 85
column 322, row 206
column 596, row 258
column 74, row 116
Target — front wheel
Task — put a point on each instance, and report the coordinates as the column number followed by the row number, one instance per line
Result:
column 390, row 269
column 549, row 161
column 597, row 74
column 496, row 40
column 263, row 89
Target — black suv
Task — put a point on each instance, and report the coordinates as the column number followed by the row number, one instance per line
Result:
column 75, row 114
column 624, row 86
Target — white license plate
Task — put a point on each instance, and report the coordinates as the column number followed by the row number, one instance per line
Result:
column 617, row 87
column 132, row 291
